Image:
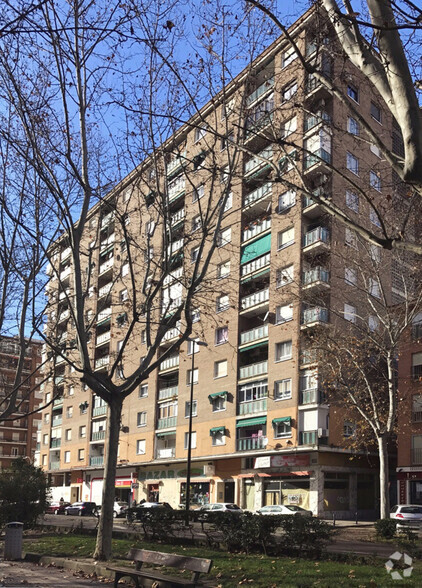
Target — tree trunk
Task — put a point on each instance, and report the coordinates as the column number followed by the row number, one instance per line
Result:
column 105, row 529
column 384, row 481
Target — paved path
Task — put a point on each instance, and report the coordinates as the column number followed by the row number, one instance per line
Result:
column 17, row 574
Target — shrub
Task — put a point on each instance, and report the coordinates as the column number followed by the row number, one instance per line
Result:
column 385, row 528
column 305, row 534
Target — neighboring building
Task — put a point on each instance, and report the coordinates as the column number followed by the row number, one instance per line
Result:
column 18, row 437
column 262, row 433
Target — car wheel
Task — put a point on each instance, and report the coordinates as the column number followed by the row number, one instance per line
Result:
column 80, row 513
column 56, row 512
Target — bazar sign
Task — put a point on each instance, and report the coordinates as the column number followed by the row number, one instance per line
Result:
column 168, row 474
column 280, row 461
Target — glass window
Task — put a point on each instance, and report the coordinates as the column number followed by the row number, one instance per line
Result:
column 283, row 351
column 222, row 335
column 349, row 429
column 141, row 419
column 285, row 275
column 352, row 200
column 352, row 126
column 289, row 91
column 194, row 253
column 218, row 403
column 375, row 180
column 349, row 313
column 67, row 457
column 283, row 389
column 223, row 302
column 199, row 133
column 218, row 438
column 288, row 56
column 81, row 454
column 351, row 238
column 285, row 238
column 224, row 237
column 193, row 440
column 284, row 313
column 194, row 409
column 374, row 287
column 289, row 127
column 283, row 429
column 352, row 163
column 198, row 192
column 140, row 447
column 82, row 431
column 353, row 93
column 143, row 390
column 223, row 269
column 196, row 223
column 286, row 200
column 68, row 434
column 220, row 369
column 189, row 376
column 350, row 276
column 253, row 391
column 375, row 112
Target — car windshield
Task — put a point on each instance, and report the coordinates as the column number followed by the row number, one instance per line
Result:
column 411, row 509
column 293, row 508
column 232, row 507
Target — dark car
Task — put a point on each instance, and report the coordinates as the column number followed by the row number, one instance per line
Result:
column 141, row 511
column 81, row 509
column 57, row 507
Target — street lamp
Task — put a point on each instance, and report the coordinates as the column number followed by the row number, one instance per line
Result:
column 188, row 470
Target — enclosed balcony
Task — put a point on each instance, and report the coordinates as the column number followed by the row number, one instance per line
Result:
column 177, row 217
column 256, row 228
column 98, row 435
column 316, row 276
column 168, row 392
column 313, row 120
column 105, row 290
column 96, row 460
column 260, row 92
column 106, row 265
column 253, row 370
column 253, row 335
column 316, row 239
column 165, row 445
column 176, row 188
column 65, row 273
column 57, row 421
column 252, row 407
column 311, row 208
column 259, row 164
column 176, row 164
column 172, row 333
column 249, row 304
column 54, row 465
column 107, row 220
column 104, row 315
column 314, row 316
column 256, row 267
column 103, row 338
column 102, row 362
column 259, row 199
column 251, row 434
column 55, row 442
column 171, row 363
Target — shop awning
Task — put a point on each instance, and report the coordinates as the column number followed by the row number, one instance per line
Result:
column 253, row 346
column 166, row 433
column 218, row 395
column 282, row 420
column 251, row 422
column 263, row 475
column 289, row 474
column 256, row 249
column 245, row 475
column 216, row 430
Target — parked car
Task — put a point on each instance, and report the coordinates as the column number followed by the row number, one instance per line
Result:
column 406, row 514
column 214, row 508
column 119, row 509
column 140, row 510
column 81, row 509
column 284, row 509
column 56, row 507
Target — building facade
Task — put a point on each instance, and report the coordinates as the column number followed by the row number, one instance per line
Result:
column 283, row 271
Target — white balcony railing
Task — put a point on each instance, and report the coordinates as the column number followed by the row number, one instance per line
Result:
column 176, row 187
column 256, row 264
column 255, row 298
column 66, row 253
column 259, row 161
column 176, row 162
column 103, row 314
column 254, row 369
column 109, row 241
column 167, row 422
column 175, row 246
column 102, row 361
column 103, row 338
column 169, row 392
column 105, row 290
column 170, row 362
column 172, row 333
column 177, row 217
column 65, row 273
column 258, row 194
column 107, row 219
column 254, row 334
column 64, row 315
column 168, row 306
column 64, row 294
column 173, row 276
column 262, row 89
column 106, row 265
column 257, row 229
column 165, row 453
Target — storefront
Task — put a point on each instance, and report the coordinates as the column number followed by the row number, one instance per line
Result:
column 199, row 493
column 409, row 487
column 292, row 489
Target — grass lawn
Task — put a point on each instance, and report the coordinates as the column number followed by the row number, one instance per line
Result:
column 230, row 570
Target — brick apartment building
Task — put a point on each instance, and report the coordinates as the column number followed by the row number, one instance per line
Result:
column 262, row 432
column 18, row 437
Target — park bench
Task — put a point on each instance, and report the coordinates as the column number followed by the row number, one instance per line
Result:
column 196, row 565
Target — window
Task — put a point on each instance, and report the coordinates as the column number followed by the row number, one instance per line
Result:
column 375, row 150
column 218, row 403
column 221, row 335
column 283, row 389
column 46, row 418
column 224, row 174
column 416, row 365
column 193, row 347
column 283, row 351
column 141, row 419
column 192, row 440
column 227, row 140
column 143, row 336
column 352, row 126
column 196, row 223
column 349, row 313
column 373, row 323
column 351, row 238
column 282, row 429
column 228, row 108
column 289, row 91
column 218, row 438
column 375, row 253
column 223, row 269
column 349, row 429
column 126, row 218
column 125, row 269
column 352, row 163
column 121, row 319
column 224, row 237
column 286, row 200
column 375, row 112
column 222, row 302
column 375, row 180
column 67, row 457
column 374, row 288
column 45, row 439
column 289, row 127
column 143, row 391
column 285, row 238
column 194, row 253
column 71, row 390
column 353, row 93
column 198, row 192
column 288, row 56
column 83, row 407
column 374, row 218
column 199, row 133
column 284, row 313
column 82, row 431
column 123, row 295
column 229, row 201
column 196, row 315
column 140, row 447
column 149, row 228
column 189, row 377
column 81, row 454
column 68, row 434
column 284, row 275
column 69, row 412
column 220, row 368
column 44, row 460
column 350, row 276
column 352, row 201
column 194, row 409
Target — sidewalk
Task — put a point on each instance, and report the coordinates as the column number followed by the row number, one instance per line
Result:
column 15, row 574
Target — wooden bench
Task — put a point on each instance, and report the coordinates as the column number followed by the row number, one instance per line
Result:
column 196, row 565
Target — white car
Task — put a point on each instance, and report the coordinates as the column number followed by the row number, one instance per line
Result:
column 284, row 509
column 221, row 507
column 406, row 514
column 119, row 509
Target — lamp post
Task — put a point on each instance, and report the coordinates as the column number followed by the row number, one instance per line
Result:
column 188, row 469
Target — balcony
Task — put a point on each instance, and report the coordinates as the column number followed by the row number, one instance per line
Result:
column 317, row 238
column 260, row 162
column 55, row 443
column 98, row 435
column 310, row 207
column 64, row 294
column 54, row 465
column 259, row 194
column 63, row 316
column 253, row 230
column 165, row 453
column 103, row 338
column 58, row 402
column 313, row 120
column 167, row 422
column 65, row 273
column 172, row 333
column 313, row 437
column 56, row 421
column 175, row 246
column 173, row 276
column 58, row 380
column 105, row 290
column 254, row 334
column 176, row 163
column 99, row 410
column 170, row 363
column 310, row 396
column 176, row 188
column 106, row 242
column 256, row 265
column 170, row 392
column 307, row 357
column 316, row 315
column 250, row 443
column 267, row 86
column 107, row 219
column 104, row 315
column 252, row 407
column 169, row 307
column 104, row 267
column 317, row 276
column 177, row 217
column 320, row 156
column 255, row 299
column 253, row 370
column 102, row 361
column 98, row 460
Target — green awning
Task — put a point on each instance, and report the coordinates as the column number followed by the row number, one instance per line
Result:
column 282, row 420
column 215, row 430
column 166, row 433
column 106, row 250
column 254, row 346
column 254, row 276
column 217, row 394
column 104, row 321
column 251, row 422
column 256, row 249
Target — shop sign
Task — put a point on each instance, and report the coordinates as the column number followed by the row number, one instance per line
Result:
column 79, row 480
column 280, row 461
column 135, row 485
column 169, row 474
column 402, row 491
column 263, row 462
column 293, row 498
column 120, row 483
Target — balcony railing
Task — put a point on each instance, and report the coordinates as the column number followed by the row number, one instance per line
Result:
column 176, row 162
column 57, row 402
column 106, row 265
column 256, row 264
column 175, row 246
column 102, row 361
column 254, row 334
column 65, row 273
column 165, row 453
column 108, row 241
column 258, row 194
column 318, row 235
column 252, row 406
column 177, row 217
column 176, row 187
column 168, row 307
column 107, row 219
column 54, row 465
column 308, row 438
column 98, row 460
column 99, row 410
column 316, row 314
column 254, row 369
column 169, row 392
column 257, row 229
column 105, row 290
column 104, row 314
column 310, row 396
column 262, row 89
column 64, row 315
column 417, row 416
column 308, row 356
column 258, row 162
column 66, row 253
column 313, row 120
column 255, row 299
column 318, row 156
column 174, row 275
column 58, row 380
column 167, row 422
column 103, row 338
column 56, row 421
column 64, row 294
column 417, row 456
column 250, row 443
column 56, row 442
column 172, row 333
column 314, row 275
column 98, row 435
column 170, row 362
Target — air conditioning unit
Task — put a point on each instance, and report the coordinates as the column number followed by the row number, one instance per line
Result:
column 322, row 433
